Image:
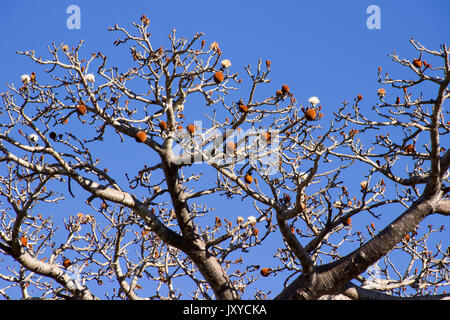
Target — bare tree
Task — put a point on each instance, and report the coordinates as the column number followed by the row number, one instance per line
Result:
column 149, row 233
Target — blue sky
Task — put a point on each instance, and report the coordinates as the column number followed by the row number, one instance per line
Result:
column 320, row 48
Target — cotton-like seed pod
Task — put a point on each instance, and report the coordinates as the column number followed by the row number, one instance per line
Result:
column 381, row 92
column 225, row 63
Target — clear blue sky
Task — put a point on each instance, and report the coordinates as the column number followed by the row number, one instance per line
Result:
column 321, row 48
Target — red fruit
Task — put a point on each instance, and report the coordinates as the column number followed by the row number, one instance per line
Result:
column 141, row 137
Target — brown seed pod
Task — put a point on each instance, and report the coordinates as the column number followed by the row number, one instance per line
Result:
column 279, row 93
column 255, row 232
column 285, row 89
column 359, row 97
column 268, row 63
column 81, row 109
column 218, row 77
column 65, row 47
column 141, row 136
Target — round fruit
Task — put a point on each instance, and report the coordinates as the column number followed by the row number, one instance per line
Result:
column 141, row 137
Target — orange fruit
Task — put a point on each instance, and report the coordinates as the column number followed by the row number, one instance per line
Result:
column 417, row 63
column 218, row 77
column 248, row 179
column 409, row 148
column 191, row 128
column 24, row 241
column 243, row 108
column 265, row 272
column 347, row 222
column 310, row 114
column 81, row 109
column 141, row 137
column 162, row 125
column 66, row 263
column 285, row 89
